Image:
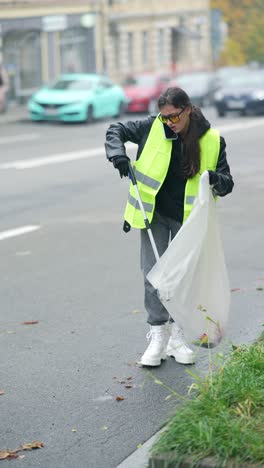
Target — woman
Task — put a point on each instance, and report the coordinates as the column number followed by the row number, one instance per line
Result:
column 174, row 149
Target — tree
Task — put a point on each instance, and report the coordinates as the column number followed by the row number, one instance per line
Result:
column 245, row 21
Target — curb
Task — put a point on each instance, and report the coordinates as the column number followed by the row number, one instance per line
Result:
column 168, row 460
column 140, row 458
column 13, row 115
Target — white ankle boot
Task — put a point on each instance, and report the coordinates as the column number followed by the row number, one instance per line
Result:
column 177, row 346
column 156, row 350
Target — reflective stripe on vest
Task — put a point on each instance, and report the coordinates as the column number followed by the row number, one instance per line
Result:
column 144, row 179
column 151, row 169
column 133, row 201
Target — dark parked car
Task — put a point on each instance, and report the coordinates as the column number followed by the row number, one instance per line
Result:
column 243, row 93
column 222, row 74
column 144, row 90
column 200, row 86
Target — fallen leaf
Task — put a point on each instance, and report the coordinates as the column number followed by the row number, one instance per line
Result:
column 204, row 338
column 204, row 342
column 2, row 392
column 136, row 311
column 33, row 445
column 128, row 386
column 8, row 454
column 119, row 398
column 32, row 322
column 74, row 430
column 104, row 428
column 5, row 454
column 235, row 289
column 124, row 382
column 139, row 446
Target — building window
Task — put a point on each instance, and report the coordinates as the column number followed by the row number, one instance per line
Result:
column 160, row 47
column 116, row 40
column 198, row 39
column 145, row 46
column 130, row 49
column 75, row 56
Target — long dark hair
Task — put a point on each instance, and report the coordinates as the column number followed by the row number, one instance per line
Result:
column 177, row 97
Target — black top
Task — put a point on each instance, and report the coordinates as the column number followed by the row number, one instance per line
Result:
column 170, row 198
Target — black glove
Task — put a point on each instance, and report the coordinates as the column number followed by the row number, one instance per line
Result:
column 126, row 226
column 213, row 177
column 121, row 163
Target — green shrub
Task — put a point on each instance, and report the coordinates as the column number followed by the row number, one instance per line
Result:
column 226, row 418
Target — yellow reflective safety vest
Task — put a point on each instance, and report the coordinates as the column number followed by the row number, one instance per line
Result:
column 151, row 169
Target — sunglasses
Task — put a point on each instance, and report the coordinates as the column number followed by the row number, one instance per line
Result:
column 174, row 118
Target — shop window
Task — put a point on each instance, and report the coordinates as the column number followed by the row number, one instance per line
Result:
column 77, row 50
column 21, row 50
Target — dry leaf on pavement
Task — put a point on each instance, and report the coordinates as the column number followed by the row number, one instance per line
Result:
column 33, row 445
column 5, row 454
column 8, row 454
column 32, row 322
column 119, row 398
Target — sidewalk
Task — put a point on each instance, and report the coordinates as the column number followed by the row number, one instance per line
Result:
column 14, row 113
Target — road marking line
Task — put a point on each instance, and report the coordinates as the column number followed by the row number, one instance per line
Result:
column 19, row 138
column 92, row 153
column 56, row 158
column 18, row 231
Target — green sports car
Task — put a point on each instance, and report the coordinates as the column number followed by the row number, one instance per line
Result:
column 78, row 97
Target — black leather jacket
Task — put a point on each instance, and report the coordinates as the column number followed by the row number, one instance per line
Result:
column 170, row 199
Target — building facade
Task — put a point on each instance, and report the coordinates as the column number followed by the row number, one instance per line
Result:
column 150, row 35
column 39, row 39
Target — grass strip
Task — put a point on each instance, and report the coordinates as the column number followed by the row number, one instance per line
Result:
column 225, row 420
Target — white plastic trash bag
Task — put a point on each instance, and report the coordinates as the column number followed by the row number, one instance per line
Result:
column 191, row 276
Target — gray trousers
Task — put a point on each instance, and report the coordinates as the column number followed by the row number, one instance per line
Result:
column 164, row 230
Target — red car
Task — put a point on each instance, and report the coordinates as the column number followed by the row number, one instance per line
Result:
column 144, row 90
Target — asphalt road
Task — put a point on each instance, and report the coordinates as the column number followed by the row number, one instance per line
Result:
column 68, row 265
